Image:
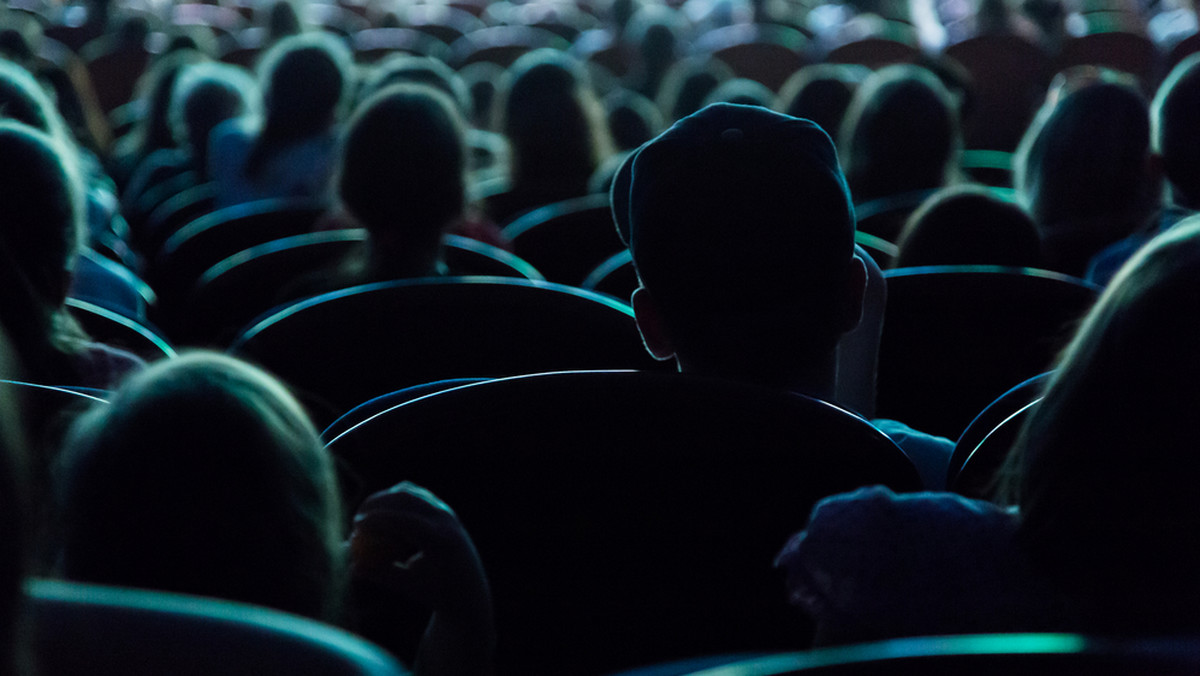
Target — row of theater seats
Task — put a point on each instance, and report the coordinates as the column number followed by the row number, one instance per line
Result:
column 85, row 629
column 954, row 338
column 608, row 506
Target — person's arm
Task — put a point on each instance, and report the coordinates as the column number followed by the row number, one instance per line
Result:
column 408, row 540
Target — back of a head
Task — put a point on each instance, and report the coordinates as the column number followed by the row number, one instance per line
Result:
column 900, row 134
column 737, row 212
column 205, row 95
column 551, row 117
column 687, row 83
column 821, row 93
column 1085, row 156
column 403, row 163
column 742, row 91
column 203, row 476
column 22, row 99
column 1105, row 468
column 968, row 225
column 305, row 80
column 1175, row 118
column 424, row 70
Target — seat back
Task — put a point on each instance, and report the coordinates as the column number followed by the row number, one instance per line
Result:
column 614, row 277
column 1009, row 76
column 111, row 328
column 566, row 240
column 1006, row 410
column 345, row 347
column 502, row 45
column 233, row 292
column 214, row 237
column 766, row 53
column 89, row 629
column 979, row 655
column 173, row 214
column 1125, row 51
column 627, row 517
column 956, row 337
column 874, row 52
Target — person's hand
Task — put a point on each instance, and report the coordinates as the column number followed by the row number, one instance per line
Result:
column 408, row 540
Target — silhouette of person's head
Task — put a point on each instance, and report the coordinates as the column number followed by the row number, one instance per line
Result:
column 1083, row 169
column 203, row 475
column 402, row 175
column 552, row 119
column 306, row 82
column 687, row 83
column 205, row 95
column 821, row 93
column 1104, row 469
column 742, row 233
column 900, row 134
column 1175, row 120
column 22, row 99
column 968, row 225
column 426, row 70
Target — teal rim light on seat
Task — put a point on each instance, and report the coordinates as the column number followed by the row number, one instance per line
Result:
column 158, row 341
column 993, row 269
column 280, row 313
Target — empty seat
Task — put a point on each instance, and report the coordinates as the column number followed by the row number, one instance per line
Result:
column 566, row 240
column 957, row 337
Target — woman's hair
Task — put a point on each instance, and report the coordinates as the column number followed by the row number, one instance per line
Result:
column 154, row 129
column 409, row 68
column 306, row 81
column 204, row 476
column 552, row 119
column 1104, row 470
column 900, row 134
column 821, row 93
column 968, row 225
column 22, row 99
column 403, row 165
column 205, row 95
column 41, row 234
column 1082, row 170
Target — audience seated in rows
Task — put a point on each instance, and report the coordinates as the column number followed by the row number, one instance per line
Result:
column 154, row 495
column 1100, row 486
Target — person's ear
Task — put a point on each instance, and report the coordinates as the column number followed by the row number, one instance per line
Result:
column 650, row 324
column 855, row 292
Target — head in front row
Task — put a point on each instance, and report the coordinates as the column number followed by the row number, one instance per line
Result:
column 203, row 476
column 742, row 234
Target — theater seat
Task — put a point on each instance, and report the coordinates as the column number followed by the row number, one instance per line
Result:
column 627, row 517
column 83, row 629
column 345, row 347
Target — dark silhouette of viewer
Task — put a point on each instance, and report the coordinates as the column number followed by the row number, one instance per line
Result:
column 742, row 233
column 741, row 227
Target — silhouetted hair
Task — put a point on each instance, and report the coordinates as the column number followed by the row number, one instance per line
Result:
column 633, row 119
column 968, row 225
column 305, row 82
column 551, row 118
column 687, row 83
column 821, row 93
column 153, row 131
column 425, row 70
column 203, row 476
column 900, row 134
column 41, row 234
column 23, row 100
column 743, row 91
column 205, row 95
column 1175, row 119
column 1081, row 171
column 1104, row 470
column 403, row 163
